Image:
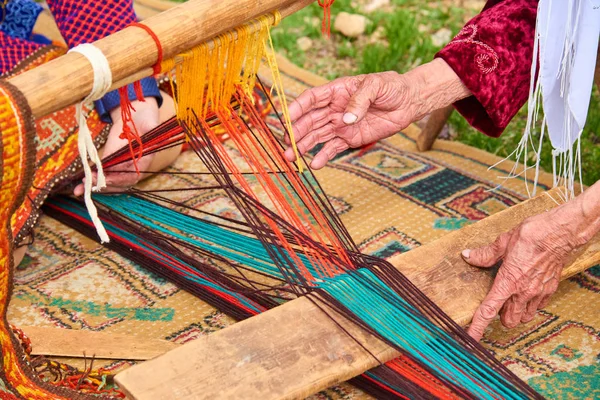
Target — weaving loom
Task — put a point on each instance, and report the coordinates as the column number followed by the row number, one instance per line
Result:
column 281, row 258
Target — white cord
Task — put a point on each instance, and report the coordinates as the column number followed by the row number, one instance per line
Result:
column 101, row 85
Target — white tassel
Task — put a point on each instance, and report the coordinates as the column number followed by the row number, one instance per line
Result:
column 101, row 85
column 566, row 39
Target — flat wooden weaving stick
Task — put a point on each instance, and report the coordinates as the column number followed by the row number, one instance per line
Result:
column 57, row 342
column 296, row 350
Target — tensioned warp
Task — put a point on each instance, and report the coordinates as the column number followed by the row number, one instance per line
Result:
column 293, row 220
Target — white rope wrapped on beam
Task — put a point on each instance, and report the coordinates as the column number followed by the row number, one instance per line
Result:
column 101, row 85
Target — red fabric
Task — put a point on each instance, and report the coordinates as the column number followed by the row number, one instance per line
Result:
column 78, row 21
column 492, row 56
column 13, row 50
column 87, row 21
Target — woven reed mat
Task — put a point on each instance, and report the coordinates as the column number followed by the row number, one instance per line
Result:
column 391, row 198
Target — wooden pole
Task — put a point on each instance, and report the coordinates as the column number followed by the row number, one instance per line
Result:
column 132, row 52
column 295, row 350
column 433, row 127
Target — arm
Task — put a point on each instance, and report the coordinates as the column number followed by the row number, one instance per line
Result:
column 88, row 21
column 492, row 55
column 487, row 82
column 355, row 111
column 533, row 255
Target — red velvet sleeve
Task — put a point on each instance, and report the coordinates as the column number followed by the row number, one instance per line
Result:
column 492, row 55
column 87, row 21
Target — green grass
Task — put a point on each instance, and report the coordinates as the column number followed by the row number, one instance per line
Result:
column 405, row 42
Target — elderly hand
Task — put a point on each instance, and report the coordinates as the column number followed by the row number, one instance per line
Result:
column 534, row 254
column 146, row 117
column 351, row 112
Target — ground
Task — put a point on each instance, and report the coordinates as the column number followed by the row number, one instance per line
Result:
column 400, row 35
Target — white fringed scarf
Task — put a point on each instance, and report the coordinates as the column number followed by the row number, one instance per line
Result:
column 566, row 41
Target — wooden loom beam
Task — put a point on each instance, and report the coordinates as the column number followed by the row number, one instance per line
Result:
column 132, row 52
column 295, row 350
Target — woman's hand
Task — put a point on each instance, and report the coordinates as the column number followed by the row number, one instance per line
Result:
column 145, row 117
column 533, row 254
column 351, row 112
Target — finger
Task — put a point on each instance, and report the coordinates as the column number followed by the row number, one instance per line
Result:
column 79, row 189
column 489, row 309
column 550, row 288
column 544, row 288
column 121, row 180
column 531, row 309
column 488, row 256
column 321, row 135
column 328, row 152
column 310, row 122
column 361, row 100
column 513, row 310
column 312, row 99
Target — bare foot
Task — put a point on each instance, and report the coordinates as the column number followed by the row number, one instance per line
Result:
column 18, row 254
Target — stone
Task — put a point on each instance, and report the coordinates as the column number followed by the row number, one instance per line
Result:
column 304, row 43
column 374, row 5
column 350, row 25
column 441, row 37
column 378, row 35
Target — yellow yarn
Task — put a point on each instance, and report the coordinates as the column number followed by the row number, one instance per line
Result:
column 208, row 75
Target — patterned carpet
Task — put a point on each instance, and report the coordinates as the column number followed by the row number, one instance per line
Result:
column 391, row 198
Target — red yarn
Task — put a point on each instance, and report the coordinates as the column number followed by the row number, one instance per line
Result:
column 129, row 133
column 129, row 129
column 159, row 49
column 326, row 25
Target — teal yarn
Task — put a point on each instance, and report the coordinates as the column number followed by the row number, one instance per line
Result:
column 198, row 278
column 242, row 249
column 361, row 292
column 366, row 296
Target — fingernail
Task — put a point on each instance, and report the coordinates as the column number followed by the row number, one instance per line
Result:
column 349, row 118
column 466, row 253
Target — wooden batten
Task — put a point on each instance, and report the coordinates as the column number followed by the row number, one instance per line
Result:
column 132, row 52
column 78, row 343
column 296, row 350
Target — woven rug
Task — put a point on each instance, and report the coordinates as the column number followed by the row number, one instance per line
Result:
column 391, row 199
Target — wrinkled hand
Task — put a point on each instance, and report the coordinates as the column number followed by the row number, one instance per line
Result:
column 533, row 254
column 146, row 117
column 355, row 111
column 350, row 112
